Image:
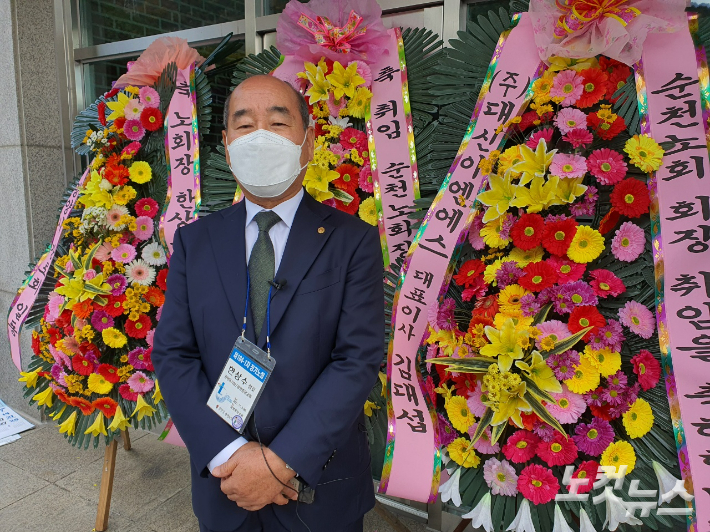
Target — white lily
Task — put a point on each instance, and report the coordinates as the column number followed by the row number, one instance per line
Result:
column 480, row 516
column 523, row 520
column 585, row 524
column 616, row 511
column 343, row 122
column 560, row 521
column 668, row 485
column 450, row 489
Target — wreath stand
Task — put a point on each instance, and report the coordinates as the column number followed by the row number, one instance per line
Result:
column 107, row 475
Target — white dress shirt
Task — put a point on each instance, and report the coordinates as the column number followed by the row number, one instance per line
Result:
column 279, row 236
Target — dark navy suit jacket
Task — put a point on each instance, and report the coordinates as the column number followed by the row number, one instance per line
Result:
column 327, row 336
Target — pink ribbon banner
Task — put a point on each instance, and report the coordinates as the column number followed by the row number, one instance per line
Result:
column 412, row 461
column 677, row 115
column 393, row 159
column 27, row 294
column 183, row 156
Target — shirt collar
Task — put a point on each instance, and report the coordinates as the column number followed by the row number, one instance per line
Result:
column 286, row 210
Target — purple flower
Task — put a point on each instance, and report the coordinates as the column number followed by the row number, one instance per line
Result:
column 588, row 204
column 447, row 434
column 617, row 381
column 563, row 364
column 555, row 218
column 118, row 284
column 581, row 294
column 543, row 430
column 592, row 438
column 137, row 357
column 508, row 222
column 528, row 304
column 594, row 397
column 508, row 273
column 613, row 396
column 561, row 298
column 618, row 411
column 611, row 336
column 445, row 315
column 101, row 320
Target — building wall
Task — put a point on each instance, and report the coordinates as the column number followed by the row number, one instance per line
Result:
column 32, row 169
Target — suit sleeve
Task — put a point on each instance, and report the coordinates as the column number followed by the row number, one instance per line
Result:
column 328, row 410
column 178, row 365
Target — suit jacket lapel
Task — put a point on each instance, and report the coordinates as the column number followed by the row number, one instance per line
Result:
column 308, row 235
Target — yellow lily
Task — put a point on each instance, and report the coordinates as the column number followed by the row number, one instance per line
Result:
column 119, row 421
column 142, row 409
column 93, row 195
column 45, row 398
column 498, row 197
column 29, row 378
column 157, row 395
column 569, row 190
column 344, row 80
column 370, row 407
column 319, row 85
column 316, row 182
column 98, row 426
column 540, row 373
column 117, row 107
column 59, row 414
column 68, row 426
column 510, row 405
column 504, row 344
column 534, row 163
column 540, row 195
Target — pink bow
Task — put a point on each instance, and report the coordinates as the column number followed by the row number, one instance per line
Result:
column 331, row 36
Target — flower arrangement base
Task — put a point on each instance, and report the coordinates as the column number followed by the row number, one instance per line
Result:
column 107, row 474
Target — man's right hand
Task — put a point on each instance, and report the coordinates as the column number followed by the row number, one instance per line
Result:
column 227, row 468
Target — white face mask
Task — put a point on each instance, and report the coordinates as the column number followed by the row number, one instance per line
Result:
column 265, row 163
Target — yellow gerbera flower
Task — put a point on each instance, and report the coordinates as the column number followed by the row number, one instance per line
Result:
column 140, row 172
column 98, row 426
column 491, row 233
column 509, row 157
column 98, row 384
column 344, row 81
column 638, row 419
column 68, row 426
column 112, row 337
column 510, row 296
column 606, row 361
column 617, row 454
column 644, row 152
column 368, row 211
column 359, row 103
column 541, row 87
column 461, row 454
column 523, row 258
column 586, row 377
column 316, row 182
column 586, row 245
column 459, row 414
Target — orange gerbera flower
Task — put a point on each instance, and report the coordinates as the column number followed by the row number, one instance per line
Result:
column 83, row 309
column 155, row 296
column 82, row 404
column 106, row 405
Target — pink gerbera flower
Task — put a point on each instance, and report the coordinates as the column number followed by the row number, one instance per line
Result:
column 520, row 447
column 104, row 252
column 605, row 284
column 647, row 369
column 607, row 166
column 149, row 97
column 637, row 318
column 588, row 471
column 144, row 228
column 133, row 109
column 100, row 320
column 140, row 382
column 138, row 358
column 567, row 271
column 500, row 477
column 569, row 119
column 365, row 179
column 124, row 253
column 475, row 403
column 568, row 407
column 334, row 106
column 579, row 138
column 555, row 329
column 483, row 444
column 353, row 138
column 560, row 450
column 568, row 165
column 592, row 438
column 133, row 129
column 132, row 148
column 535, row 138
column 628, row 242
column 128, row 393
column 54, row 304
column 568, row 85
column 537, row 483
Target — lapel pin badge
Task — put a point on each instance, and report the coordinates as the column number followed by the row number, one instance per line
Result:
column 321, row 230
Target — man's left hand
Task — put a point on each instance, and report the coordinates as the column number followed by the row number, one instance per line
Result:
column 251, row 485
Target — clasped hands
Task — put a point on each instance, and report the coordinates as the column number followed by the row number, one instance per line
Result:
column 246, row 479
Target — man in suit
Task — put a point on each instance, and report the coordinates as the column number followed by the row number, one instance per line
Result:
column 324, row 268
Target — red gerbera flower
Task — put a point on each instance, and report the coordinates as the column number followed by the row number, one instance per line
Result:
column 161, row 279
column 558, row 236
column 348, row 180
column 465, row 384
column 527, row 232
column 469, row 271
column 127, row 392
column 527, row 120
column 630, row 198
column 601, row 412
column 647, row 369
column 55, row 334
column 81, row 365
column 108, row 372
column 538, row 276
column 119, row 122
column 605, row 284
column 353, row 138
column 106, row 405
column 567, row 271
column 594, row 82
column 61, row 394
column 151, row 119
column 529, row 419
column 101, row 108
column 82, row 404
column 138, row 328
column 486, row 306
column 521, row 446
column 113, row 306
column 479, row 320
column 605, row 130
column 560, row 450
column 538, row 484
column 609, row 221
column 147, row 360
column 585, row 316
column 146, row 207
column 36, row 343
column 350, row 208
column 586, row 470
column 155, row 296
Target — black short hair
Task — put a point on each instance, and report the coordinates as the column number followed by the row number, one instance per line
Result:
column 302, row 108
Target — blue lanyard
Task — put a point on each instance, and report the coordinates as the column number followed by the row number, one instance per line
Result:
column 268, row 317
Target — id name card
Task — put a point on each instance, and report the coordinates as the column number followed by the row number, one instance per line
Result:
column 240, row 384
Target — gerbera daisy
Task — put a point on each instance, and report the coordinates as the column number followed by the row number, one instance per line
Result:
column 605, row 129
column 566, row 165
column 114, row 217
column 537, row 483
column 133, row 129
column 554, row 329
column 475, row 402
column 637, row 318
column 569, row 119
column 154, row 254
column 630, row 198
column 486, row 306
column 523, row 258
column 560, row 450
column 527, row 231
column 140, row 382
column 149, row 97
column 113, row 306
column 146, row 207
column 647, row 369
column 469, row 271
column 154, row 296
column 133, row 108
column 161, row 279
column 605, row 360
column 138, row 271
column 459, row 414
column 151, row 119
column 568, row 406
column 444, row 317
column 127, row 392
column 112, row 337
column 638, row 420
column 82, row 365
column 447, row 434
column 97, row 384
column 588, row 471
column 353, row 138
column 138, row 328
column 592, row 438
column 585, row 316
column 644, row 153
column 586, row 377
column 137, row 358
column 483, row 444
column 628, row 242
column 100, row 320
column 520, row 447
column 605, row 284
column 538, row 276
column 118, row 283
column 500, row 477
column 595, row 85
column 586, row 245
column 106, row 405
column 567, row 270
column 509, row 298
column 579, row 138
column 558, row 236
column 618, row 454
column 108, row 372
column 534, row 140
column 82, row 404
column 460, row 453
column 144, row 228
column 568, row 86
column 365, row 179
column 140, row 172
column 607, row 166
column 348, row 178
